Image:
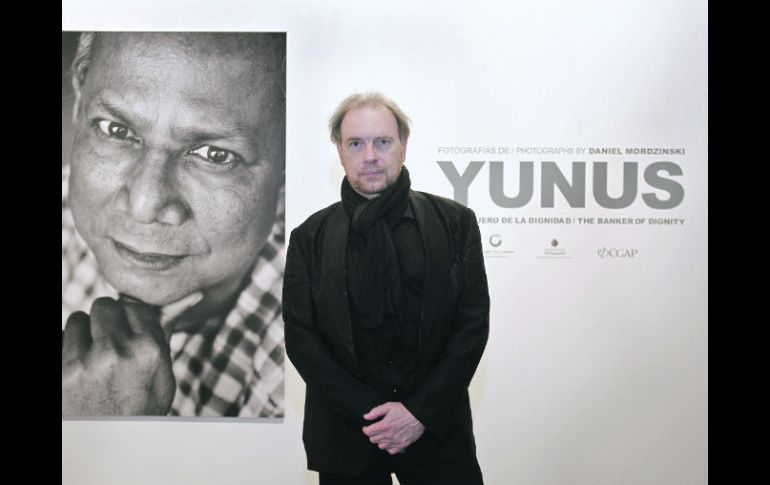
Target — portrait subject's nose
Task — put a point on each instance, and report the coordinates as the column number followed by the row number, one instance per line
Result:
column 151, row 191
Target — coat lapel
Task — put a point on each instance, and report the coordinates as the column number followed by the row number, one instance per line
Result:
column 436, row 294
column 333, row 284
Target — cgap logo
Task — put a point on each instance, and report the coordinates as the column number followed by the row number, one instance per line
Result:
column 621, row 253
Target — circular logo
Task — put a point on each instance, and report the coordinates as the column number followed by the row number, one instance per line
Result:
column 495, row 240
column 554, row 243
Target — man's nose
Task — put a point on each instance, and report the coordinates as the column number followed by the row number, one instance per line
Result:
column 370, row 155
column 151, row 193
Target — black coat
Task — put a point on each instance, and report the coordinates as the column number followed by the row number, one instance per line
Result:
column 452, row 336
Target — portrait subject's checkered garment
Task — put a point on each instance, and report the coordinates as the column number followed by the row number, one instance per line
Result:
column 233, row 364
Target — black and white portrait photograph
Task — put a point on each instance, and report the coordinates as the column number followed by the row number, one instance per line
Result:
column 173, row 169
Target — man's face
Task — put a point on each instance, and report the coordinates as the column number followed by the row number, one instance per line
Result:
column 370, row 149
column 176, row 168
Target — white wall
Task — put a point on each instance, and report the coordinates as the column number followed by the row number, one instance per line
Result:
column 596, row 369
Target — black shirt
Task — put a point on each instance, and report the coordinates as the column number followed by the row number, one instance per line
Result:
column 387, row 358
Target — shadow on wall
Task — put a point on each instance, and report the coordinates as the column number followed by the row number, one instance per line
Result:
column 69, row 42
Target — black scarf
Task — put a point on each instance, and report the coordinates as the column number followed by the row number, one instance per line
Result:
column 373, row 276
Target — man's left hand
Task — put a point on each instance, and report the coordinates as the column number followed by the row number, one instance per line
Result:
column 397, row 429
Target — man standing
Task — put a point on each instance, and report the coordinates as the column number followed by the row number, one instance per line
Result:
column 386, row 307
column 172, row 226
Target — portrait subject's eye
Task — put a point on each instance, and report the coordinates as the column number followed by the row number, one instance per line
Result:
column 215, row 155
column 355, row 144
column 116, row 130
column 383, row 142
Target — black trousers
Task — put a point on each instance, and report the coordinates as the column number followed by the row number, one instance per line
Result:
column 410, row 469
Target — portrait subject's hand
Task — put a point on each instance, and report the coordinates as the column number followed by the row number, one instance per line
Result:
column 397, row 429
column 116, row 361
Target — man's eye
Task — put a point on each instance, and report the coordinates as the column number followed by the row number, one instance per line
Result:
column 383, row 142
column 215, row 155
column 355, row 144
column 116, row 130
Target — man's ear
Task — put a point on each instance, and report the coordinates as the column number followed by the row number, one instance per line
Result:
column 403, row 144
column 280, row 207
column 76, row 106
column 339, row 150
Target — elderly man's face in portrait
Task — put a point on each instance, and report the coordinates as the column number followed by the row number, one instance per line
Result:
column 176, row 163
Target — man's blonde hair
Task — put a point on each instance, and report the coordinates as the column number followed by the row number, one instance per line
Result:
column 370, row 99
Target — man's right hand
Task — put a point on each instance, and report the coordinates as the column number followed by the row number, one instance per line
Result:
column 116, row 361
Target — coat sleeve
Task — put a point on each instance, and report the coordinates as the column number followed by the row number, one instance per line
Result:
column 308, row 348
column 435, row 401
